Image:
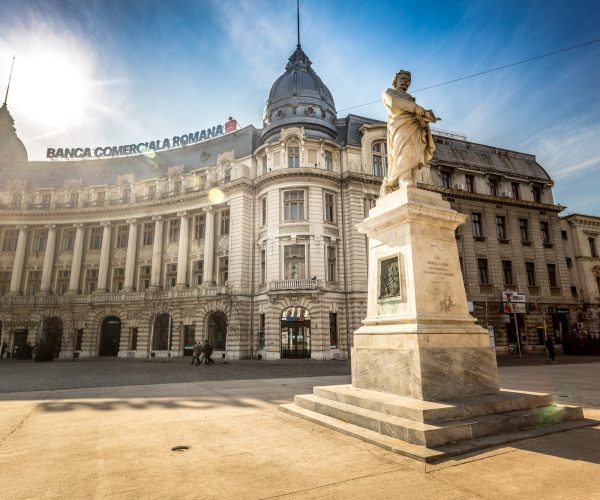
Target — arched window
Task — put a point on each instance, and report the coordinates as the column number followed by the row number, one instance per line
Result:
column 379, row 158
column 293, row 154
column 217, row 331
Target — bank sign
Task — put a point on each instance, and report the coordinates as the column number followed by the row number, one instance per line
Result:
column 142, row 147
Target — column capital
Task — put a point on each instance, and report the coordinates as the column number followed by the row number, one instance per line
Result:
column 208, row 210
column 79, row 225
column 105, row 223
column 157, row 218
column 183, row 214
column 130, row 221
column 21, row 226
column 50, row 226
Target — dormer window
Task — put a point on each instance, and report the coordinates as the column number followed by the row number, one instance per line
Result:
column 126, row 195
column 445, row 178
column 328, row 161
column 73, row 198
column 537, row 193
column 15, row 202
column 494, row 187
column 380, row 162
column 293, row 155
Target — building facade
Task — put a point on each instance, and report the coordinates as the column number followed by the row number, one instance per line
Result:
column 248, row 239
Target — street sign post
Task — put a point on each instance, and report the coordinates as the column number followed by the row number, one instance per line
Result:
column 514, row 303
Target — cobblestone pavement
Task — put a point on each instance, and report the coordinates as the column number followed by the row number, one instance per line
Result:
column 26, row 376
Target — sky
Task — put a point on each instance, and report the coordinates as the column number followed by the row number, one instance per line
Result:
column 110, row 72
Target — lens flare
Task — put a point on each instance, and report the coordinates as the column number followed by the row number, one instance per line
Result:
column 215, row 195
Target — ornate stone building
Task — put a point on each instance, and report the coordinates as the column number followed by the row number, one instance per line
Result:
column 248, row 239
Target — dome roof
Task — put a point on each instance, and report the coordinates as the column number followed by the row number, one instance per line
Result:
column 299, row 98
column 12, row 149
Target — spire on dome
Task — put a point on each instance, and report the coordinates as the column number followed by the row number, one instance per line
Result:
column 9, row 79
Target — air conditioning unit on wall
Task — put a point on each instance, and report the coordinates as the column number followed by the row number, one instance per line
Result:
column 460, row 187
column 507, row 194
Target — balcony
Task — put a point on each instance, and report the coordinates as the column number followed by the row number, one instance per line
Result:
column 295, row 284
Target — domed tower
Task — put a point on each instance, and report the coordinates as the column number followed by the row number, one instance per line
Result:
column 299, row 98
column 12, row 149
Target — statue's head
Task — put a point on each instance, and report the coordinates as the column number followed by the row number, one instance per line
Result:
column 401, row 80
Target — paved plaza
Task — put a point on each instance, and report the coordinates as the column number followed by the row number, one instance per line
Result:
column 116, row 440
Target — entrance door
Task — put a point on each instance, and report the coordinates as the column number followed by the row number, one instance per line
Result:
column 110, row 336
column 52, row 334
column 21, row 350
column 295, row 333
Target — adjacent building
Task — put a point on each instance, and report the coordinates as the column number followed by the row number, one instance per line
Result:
column 248, row 238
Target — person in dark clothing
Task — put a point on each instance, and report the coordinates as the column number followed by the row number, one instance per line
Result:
column 207, row 350
column 550, row 348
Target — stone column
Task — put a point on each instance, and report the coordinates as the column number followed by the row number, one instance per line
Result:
column 209, row 246
column 131, row 249
column 17, row 270
column 182, row 254
column 48, row 259
column 77, row 257
column 157, row 251
column 104, row 258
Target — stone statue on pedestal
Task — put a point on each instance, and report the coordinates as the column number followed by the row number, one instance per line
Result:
column 409, row 139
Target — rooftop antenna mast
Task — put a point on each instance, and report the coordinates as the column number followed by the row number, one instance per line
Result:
column 10, row 77
column 298, row 19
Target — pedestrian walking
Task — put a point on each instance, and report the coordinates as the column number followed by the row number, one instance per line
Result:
column 207, row 350
column 196, row 353
column 550, row 348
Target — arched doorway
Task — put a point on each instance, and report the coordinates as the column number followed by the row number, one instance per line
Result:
column 295, row 333
column 217, row 331
column 110, row 336
column 162, row 332
column 52, row 334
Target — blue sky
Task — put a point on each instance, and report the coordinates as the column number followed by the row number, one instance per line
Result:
column 111, row 72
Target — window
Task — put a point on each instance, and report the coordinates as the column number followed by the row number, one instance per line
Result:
column 9, row 242
column 331, row 263
column 493, row 187
column 199, row 226
column 369, row 203
column 5, row 282
column 133, row 338
column 73, row 199
column 482, row 270
column 171, row 276
column 68, row 239
column 224, row 229
column 593, row 249
column 122, row 236
column 537, row 193
column 507, row 273
column 264, row 164
column 151, row 192
column 293, row 262
column 100, row 197
column 293, row 205
column 545, row 230
column 569, row 262
column 530, row 270
column 198, row 272
column 293, row 155
column 91, row 280
column 263, row 266
column 333, row 331
column 63, row 277
column 563, row 235
column 380, row 161
column 174, row 226
column 34, row 281
column 477, row 225
column 524, row 229
column 15, row 201
column 501, row 227
column 328, row 161
column 95, row 238
column 148, row 234
column 263, row 211
column 227, row 175
column 552, row 279
column 445, row 178
column 45, row 201
column 470, row 182
column 223, row 270
column 598, row 284
column 177, row 185
column 262, row 321
column 39, row 240
column 118, row 279
column 145, row 276
column 574, row 291
column 79, row 339
column 329, row 208
column 516, row 193
column 126, row 195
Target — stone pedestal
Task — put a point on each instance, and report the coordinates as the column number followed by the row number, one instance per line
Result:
column 424, row 377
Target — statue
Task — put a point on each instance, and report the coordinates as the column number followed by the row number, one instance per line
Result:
column 409, row 139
